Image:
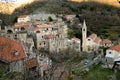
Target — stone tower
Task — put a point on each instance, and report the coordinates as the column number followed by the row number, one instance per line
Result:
column 84, row 36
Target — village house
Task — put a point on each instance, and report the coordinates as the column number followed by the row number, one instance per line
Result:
column 23, row 19
column 74, row 43
column 42, row 27
column 50, row 40
column 23, row 24
column 21, row 27
column 44, row 64
column 49, row 36
column 112, row 55
column 70, row 17
column 106, row 43
column 12, row 54
column 31, row 67
column 29, row 46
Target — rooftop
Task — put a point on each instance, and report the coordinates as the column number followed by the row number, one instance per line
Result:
column 11, row 50
column 75, row 39
column 31, row 63
column 116, row 48
column 106, row 41
column 93, row 36
column 22, row 24
column 23, row 16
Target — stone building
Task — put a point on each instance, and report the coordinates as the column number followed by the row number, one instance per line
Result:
column 75, row 44
column 12, row 54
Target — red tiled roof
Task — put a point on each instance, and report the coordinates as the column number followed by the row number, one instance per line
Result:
column 23, row 16
column 36, row 28
column 116, row 48
column 106, row 41
column 69, row 17
column 22, row 24
column 31, row 63
column 49, row 36
column 42, row 26
column 8, row 48
column 93, row 36
column 37, row 22
column 97, row 40
column 75, row 39
column 45, row 66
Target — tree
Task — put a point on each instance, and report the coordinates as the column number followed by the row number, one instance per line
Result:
column 50, row 18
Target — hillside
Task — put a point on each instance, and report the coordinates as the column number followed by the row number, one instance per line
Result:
column 100, row 16
column 9, row 7
column 114, row 3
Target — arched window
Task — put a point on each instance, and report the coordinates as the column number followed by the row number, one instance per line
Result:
column 9, row 31
column 37, row 31
column 22, row 28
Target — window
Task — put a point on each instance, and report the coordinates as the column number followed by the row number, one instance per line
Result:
column 9, row 31
column 88, row 39
column 37, row 31
column 110, row 52
column 44, row 43
column 83, row 29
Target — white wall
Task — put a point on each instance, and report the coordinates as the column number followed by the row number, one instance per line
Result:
column 25, row 19
column 112, row 54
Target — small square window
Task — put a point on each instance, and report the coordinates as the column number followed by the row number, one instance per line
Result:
column 88, row 39
column 83, row 29
column 110, row 52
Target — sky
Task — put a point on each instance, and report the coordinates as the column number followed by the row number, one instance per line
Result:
column 8, row 0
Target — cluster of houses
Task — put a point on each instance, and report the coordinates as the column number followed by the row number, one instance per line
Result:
column 19, row 44
column 22, row 45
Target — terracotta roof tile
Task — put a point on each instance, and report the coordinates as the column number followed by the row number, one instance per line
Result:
column 106, row 41
column 23, row 16
column 11, row 50
column 31, row 63
column 93, row 36
column 75, row 39
column 42, row 26
column 45, row 66
column 97, row 40
column 22, row 24
column 117, row 48
column 49, row 36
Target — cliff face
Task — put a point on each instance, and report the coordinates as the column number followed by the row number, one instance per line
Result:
column 108, row 2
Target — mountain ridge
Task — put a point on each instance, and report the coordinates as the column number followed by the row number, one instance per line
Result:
column 9, row 7
column 115, row 3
